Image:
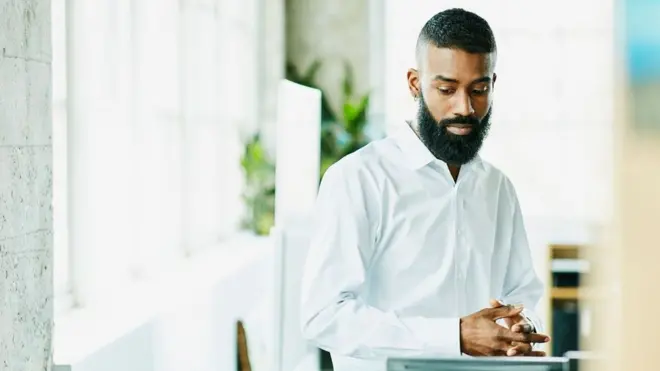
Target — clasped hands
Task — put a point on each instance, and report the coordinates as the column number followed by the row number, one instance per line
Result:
column 482, row 336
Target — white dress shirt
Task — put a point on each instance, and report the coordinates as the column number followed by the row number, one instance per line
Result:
column 399, row 252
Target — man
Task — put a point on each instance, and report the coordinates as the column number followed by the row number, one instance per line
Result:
column 418, row 246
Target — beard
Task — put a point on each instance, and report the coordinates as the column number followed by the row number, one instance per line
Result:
column 453, row 149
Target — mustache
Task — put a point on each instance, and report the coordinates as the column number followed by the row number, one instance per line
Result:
column 460, row 120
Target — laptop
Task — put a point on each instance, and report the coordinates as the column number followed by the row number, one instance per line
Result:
column 479, row 364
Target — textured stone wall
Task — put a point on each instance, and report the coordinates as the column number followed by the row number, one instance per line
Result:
column 332, row 31
column 26, row 235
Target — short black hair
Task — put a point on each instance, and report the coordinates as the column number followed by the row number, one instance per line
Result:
column 457, row 29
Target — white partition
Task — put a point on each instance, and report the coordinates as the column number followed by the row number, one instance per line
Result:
column 297, row 180
column 292, row 351
column 297, row 150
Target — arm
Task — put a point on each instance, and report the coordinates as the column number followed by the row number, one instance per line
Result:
column 334, row 315
column 521, row 284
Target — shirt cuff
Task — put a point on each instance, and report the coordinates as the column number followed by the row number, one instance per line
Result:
column 441, row 336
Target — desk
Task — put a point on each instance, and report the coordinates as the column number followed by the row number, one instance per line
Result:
column 479, row 364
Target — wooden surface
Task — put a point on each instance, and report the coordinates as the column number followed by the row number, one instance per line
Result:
column 564, row 293
column 243, row 356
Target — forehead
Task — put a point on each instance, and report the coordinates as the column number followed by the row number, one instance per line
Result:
column 457, row 64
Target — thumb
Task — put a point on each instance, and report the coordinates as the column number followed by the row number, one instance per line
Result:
column 505, row 311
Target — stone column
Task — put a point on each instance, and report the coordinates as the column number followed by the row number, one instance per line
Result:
column 26, row 233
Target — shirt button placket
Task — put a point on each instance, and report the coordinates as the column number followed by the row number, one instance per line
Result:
column 458, row 276
column 459, row 254
column 462, row 254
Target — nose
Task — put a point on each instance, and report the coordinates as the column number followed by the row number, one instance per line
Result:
column 463, row 104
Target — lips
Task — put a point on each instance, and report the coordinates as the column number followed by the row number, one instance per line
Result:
column 459, row 129
column 460, row 125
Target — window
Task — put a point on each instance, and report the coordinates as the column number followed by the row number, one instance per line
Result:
column 159, row 96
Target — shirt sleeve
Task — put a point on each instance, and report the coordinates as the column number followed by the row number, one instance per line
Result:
column 335, row 316
column 521, row 284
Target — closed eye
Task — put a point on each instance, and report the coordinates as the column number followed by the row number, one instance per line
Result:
column 480, row 91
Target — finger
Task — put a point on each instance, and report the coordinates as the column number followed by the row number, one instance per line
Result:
column 510, row 336
column 504, row 311
column 494, row 303
column 500, row 347
column 512, row 321
column 523, row 327
column 519, row 349
column 525, row 338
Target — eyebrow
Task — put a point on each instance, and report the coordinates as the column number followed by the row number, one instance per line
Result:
column 447, row 79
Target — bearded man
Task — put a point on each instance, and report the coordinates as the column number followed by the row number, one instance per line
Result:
column 418, row 246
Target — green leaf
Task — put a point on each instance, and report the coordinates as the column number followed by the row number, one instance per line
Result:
column 312, row 71
column 292, row 73
column 259, row 191
column 349, row 81
column 327, row 114
column 355, row 115
column 329, row 145
column 306, row 78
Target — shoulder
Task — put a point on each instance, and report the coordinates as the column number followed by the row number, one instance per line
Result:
column 499, row 181
column 362, row 168
column 358, row 178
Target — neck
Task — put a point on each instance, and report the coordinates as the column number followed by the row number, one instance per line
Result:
column 454, row 171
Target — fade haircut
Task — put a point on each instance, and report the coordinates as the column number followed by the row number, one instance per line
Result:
column 456, row 29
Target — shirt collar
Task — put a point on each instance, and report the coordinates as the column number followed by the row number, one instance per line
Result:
column 416, row 153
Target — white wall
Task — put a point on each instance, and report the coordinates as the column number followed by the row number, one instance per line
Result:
column 26, row 233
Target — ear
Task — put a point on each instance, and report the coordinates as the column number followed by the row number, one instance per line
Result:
column 414, row 83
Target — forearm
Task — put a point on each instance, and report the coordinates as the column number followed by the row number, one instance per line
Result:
column 354, row 329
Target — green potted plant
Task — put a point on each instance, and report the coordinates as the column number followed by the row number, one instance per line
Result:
column 343, row 133
column 259, row 188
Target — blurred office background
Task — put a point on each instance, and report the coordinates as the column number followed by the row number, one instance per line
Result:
column 156, row 127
